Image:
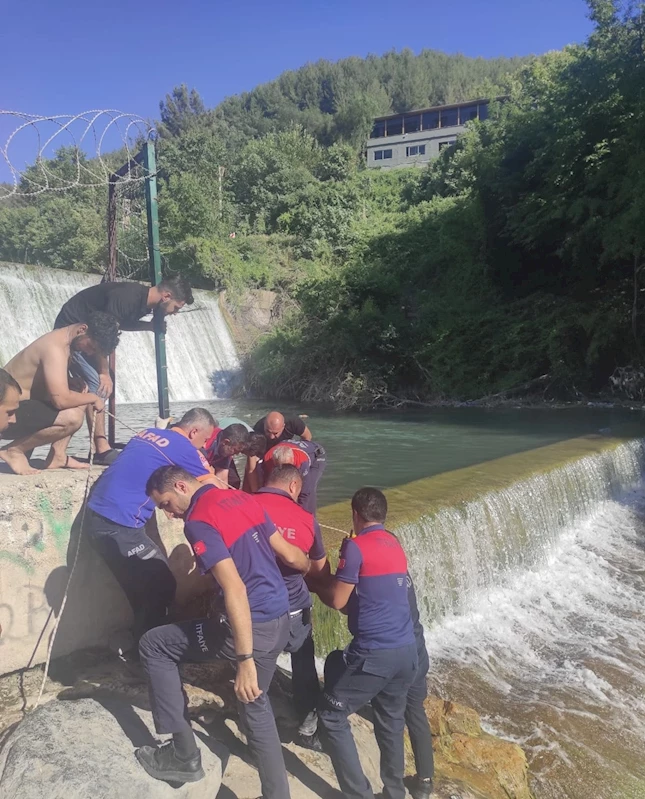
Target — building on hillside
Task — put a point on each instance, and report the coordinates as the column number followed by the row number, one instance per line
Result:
column 415, row 137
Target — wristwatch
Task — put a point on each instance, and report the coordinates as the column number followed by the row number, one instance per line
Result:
column 241, row 658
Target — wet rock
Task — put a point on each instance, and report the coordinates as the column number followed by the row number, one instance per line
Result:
column 497, row 769
column 85, row 748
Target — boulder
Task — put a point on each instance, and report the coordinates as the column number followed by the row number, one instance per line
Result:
column 463, row 751
column 85, row 748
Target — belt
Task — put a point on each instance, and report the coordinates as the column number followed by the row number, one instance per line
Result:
column 296, row 612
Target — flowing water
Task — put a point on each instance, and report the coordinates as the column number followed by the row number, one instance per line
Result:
column 532, row 596
column 201, row 355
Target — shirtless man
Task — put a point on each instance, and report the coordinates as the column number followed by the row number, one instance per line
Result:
column 50, row 412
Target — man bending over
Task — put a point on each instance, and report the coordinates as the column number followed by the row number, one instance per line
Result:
column 235, row 541
column 50, row 412
column 118, row 510
column 127, row 302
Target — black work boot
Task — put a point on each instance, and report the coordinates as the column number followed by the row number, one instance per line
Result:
column 163, row 763
column 422, row 788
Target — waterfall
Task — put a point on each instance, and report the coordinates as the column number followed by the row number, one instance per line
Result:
column 202, row 361
column 463, row 551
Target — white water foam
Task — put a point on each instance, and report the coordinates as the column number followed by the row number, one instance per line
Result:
column 547, row 642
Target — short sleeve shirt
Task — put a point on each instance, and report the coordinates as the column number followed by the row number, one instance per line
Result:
column 126, row 301
column 379, row 614
column 298, row 528
column 224, row 524
column 120, row 492
column 293, row 426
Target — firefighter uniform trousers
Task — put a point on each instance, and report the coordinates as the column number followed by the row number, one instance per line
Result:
column 201, row 641
column 353, row 679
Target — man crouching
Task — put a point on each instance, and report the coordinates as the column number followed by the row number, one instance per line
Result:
column 233, row 539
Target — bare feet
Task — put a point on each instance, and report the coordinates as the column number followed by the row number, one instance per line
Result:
column 17, row 461
column 66, row 462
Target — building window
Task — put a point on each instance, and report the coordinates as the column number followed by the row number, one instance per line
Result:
column 413, row 124
column 430, row 120
column 444, row 144
column 483, row 111
column 416, row 149
column 395, row 126
column 467, row 113
column 387, row 153
column 378, row 131
column 450, row 118
column 379, row 155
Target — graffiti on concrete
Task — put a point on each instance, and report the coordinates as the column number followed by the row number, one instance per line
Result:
column 33, row 540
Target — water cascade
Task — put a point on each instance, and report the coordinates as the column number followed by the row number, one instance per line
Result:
column 532, row 598
column 202, row 361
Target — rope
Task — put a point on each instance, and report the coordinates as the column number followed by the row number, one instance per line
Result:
column 71, row 574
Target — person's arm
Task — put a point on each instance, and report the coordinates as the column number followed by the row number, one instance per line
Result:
column 252, row 475
column 221, row 478
column 320, row 570
column 55, row 364
column 306, row 434
column 136, row 327
column 337, row 590
column 106, row 385
column 291, row 556
column 239, row 617
column 335, row 593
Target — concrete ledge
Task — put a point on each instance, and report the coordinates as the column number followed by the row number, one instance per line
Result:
column 37, row 538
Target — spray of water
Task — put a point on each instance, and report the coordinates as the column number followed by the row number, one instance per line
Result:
column 533, row 606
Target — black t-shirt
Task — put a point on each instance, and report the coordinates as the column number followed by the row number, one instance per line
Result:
column 293, row 426
column 127, row 301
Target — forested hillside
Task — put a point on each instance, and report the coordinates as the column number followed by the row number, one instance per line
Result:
column 517, row 254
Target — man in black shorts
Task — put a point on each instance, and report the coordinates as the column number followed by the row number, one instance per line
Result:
column 127, row 302
column 50, row 410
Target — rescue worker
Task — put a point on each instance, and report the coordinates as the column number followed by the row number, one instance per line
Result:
column 416, row 719
column 279, row 498
column 118, row 509
column 381, row 662
column 234, row 540
column 220, row 448
column 309, row 458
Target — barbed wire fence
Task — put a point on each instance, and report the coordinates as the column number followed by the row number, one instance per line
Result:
column 43, row 156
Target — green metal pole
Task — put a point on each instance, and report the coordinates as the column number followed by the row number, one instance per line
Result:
column 150, row 171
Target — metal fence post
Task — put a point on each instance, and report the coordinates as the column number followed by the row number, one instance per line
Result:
column 150, row 171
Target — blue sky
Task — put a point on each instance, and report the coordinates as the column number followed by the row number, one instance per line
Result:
column 70, row 56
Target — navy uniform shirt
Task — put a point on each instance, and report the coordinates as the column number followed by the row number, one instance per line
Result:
column 378, row 609
column 120, row 492
column 298, row 528
column 224, row 524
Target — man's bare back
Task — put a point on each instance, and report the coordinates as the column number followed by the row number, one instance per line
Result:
column 52, row 406
column 27, row 367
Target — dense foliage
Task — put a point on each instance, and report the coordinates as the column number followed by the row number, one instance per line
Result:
column 516, row 255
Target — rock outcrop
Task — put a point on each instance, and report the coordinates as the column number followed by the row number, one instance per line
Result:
column 85, row 748
column 470, row 763
column 464, row 751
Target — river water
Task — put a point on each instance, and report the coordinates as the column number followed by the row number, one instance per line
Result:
column 532, row 597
